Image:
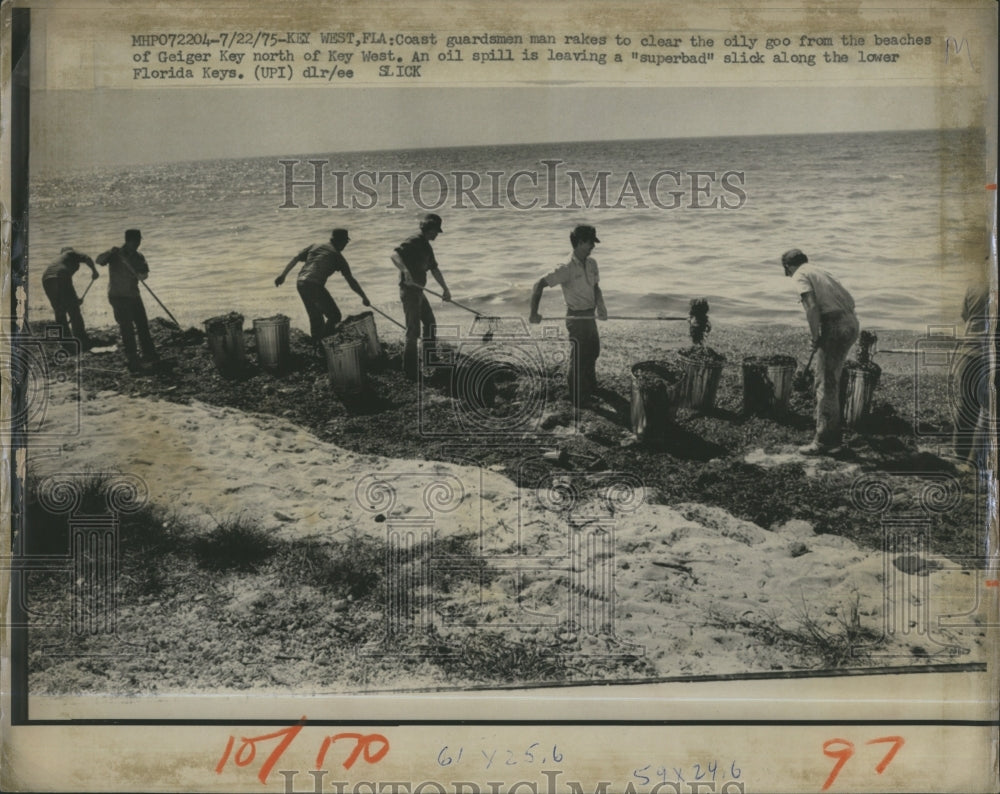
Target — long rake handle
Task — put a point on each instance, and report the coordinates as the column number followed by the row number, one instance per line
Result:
column 141, row 281
column 390, row 319
column 613, row 317
column 87, row 290
column 459, row 305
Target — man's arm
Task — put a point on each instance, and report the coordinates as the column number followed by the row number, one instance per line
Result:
column 89, row 263
column 397, row 260
column 445, row 292
column 536, row 298
column 812, row 316
column 353, row 284
column 297, row 258
column 602, row 311
column 105, row 257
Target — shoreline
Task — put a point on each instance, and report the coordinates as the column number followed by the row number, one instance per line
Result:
column 697, row 590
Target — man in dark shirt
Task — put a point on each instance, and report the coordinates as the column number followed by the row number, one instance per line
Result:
column 57, row 281
column 321, row 262
column 414, row 258
column 126, row 268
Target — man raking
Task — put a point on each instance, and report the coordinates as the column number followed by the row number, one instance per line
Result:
column 834, row 328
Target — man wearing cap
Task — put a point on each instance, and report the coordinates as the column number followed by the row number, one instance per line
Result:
column 321, row 262
column 582, row 293
column 126, row 268
column 57, row 281
column 834, row 328
column 414, row 259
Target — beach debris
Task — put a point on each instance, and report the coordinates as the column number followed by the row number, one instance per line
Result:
column 698, row 324
column 219, row 324
column 864, row 360
column 360, row 327
column 702, row 354
column 702, row 364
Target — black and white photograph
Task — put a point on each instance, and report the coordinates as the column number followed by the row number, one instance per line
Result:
column 464, row 388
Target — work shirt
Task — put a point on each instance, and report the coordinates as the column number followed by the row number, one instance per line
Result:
column 577, row 280
column 123, row 268
column 65, row 266
column 418, row 257
column 321, row 262
column 830, row 294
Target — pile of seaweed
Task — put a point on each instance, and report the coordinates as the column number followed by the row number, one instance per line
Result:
column 702, row 354
column 219, row 324
column 864, row 361
column 698, row 324
column 698, row 328
column 657, row 376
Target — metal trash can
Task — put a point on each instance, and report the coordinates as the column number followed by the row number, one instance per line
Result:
column 701, row 382
column 857, row 386
column 767, row 383
column 655, row 399
column 225, row 339
column 362, row 326
column 273, row 345
column 345, row 364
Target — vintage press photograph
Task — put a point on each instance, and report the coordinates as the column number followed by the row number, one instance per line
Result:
column 423, row 388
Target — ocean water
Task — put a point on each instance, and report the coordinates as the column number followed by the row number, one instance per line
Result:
column 897, row 217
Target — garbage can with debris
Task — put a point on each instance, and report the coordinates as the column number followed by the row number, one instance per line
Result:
column 273, row 345
column 655, row 399
column 767, row 383
column 345, row 361
column 225, row 340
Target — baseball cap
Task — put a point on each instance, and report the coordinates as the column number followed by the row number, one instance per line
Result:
column 584, row 233
column 431, row 220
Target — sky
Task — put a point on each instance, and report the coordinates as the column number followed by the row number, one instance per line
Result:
column 82, row 128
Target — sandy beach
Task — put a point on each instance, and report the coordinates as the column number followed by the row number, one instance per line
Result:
column 568, row 553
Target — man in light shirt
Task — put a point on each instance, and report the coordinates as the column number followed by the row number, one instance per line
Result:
column 579, row 281
column 834, row 329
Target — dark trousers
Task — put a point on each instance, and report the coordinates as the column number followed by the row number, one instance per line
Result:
column 585, row 347
column 417, row 311
column 130, row 314
column 321, row 308
column 66, row 305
